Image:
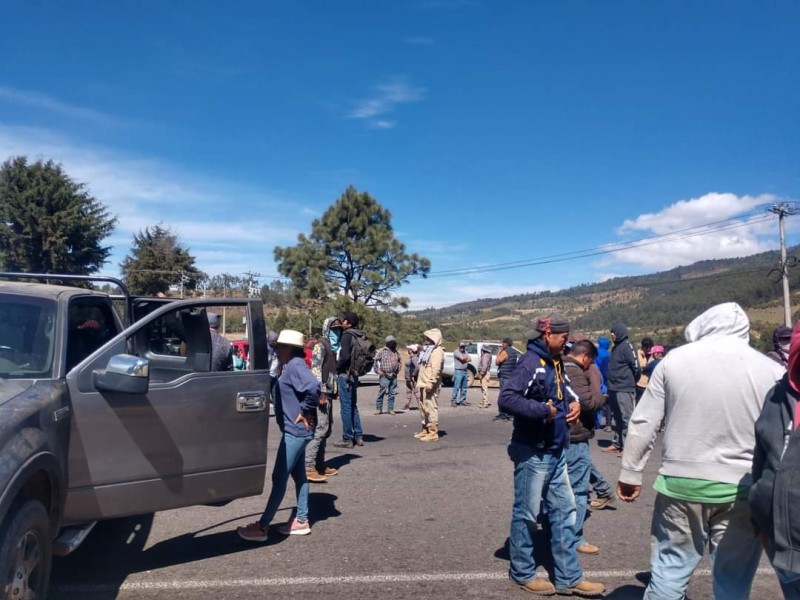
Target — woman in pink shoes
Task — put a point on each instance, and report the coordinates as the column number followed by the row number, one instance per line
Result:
column 296, row 409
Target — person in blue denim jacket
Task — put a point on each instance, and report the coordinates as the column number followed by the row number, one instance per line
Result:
column 538, row 396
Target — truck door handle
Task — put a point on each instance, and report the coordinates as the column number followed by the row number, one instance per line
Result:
column 251, row 401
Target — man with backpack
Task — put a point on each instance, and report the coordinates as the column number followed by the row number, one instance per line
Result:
column 354, row 359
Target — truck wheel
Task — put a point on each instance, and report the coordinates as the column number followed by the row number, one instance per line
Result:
column 26, row 552
column 470, row 377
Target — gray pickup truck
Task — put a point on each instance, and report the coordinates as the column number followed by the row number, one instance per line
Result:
column 107, row 414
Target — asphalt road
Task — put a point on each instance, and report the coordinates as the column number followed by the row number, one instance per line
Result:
column 402, row 519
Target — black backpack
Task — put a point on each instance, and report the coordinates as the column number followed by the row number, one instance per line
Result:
column 362, row 354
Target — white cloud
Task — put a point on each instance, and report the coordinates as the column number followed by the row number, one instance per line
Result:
column 143, row 192
column 387, row 97
column 693, row 231
column 36, row 100
column 438, row 292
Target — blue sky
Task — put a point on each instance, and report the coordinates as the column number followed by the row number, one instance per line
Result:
column 493, row 131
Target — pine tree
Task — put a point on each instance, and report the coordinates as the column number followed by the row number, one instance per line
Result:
column 352, row 250
column 48, row 222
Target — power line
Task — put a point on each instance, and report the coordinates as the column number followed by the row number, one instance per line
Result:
column 694, row 231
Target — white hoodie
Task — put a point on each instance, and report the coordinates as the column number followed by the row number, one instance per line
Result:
column 711, row 391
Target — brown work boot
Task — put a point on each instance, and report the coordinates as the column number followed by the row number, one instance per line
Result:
column 421, row 433
column 539, row 586
column 314, row 477
column 432, row 436
column 329, row 472
column 587, row 548
column 600, row 502
column 587, row 589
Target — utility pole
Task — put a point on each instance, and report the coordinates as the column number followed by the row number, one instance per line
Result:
column 782, row 210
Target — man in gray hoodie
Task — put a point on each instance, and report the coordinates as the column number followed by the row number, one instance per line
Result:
column 623, row 372
column 704, row 478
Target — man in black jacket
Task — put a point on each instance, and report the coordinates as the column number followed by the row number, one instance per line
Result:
column 580, row 357
column 623, row 372
column 776, row 469
column 352, row 434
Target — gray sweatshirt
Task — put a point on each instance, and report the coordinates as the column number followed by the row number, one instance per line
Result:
column 711, row 391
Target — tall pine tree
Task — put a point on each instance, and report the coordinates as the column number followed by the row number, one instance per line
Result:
column 48, row 222
column 352, row 250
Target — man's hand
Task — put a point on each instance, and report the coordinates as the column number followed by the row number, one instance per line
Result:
column 553, row 411
column 627, row 492
column 305, row 420
column 574, row 412
column 323, row 400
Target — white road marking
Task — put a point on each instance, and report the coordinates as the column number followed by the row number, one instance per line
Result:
column 343, row 580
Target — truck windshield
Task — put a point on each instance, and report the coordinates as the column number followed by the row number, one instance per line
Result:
column 26, row 337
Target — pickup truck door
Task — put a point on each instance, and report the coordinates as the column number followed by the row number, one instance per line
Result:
column 193, row 436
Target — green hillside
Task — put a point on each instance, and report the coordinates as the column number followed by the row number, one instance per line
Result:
column 659, row 305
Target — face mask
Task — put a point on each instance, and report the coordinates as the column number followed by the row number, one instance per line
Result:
column 335, row 338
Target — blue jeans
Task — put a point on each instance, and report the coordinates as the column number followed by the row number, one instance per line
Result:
column 599, row 484
column 388, row 387
column 459, row 386
column 679, row 533
column 541, row 478
column 290, row 460
column 348, row 406
column 579, row 466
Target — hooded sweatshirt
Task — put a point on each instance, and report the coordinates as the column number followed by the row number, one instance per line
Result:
column 431, row 361
column 603, row 355
column 711, row 391
column 623, row 366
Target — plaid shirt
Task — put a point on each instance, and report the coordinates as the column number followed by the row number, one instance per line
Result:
column 387, row 361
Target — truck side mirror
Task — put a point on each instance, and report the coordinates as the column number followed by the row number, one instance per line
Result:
column 124, row 373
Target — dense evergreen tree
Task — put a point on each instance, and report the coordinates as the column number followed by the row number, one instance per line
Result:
column 158, row 261
column 351, row 250
column 48, row 222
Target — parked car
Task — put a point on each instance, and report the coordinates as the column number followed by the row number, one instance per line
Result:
column 474, row 351
column 106, row 415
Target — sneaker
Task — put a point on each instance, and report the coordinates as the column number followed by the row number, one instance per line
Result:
column 295, row 527
column 359, row 442
column 391, row 412
column 378, row 412
column 330, row 472
column 587, row 548
column 314, row 477
column 611, row 448
column 255, row 532
column 539, row 586
column 607, row 428
column 586, row 589
column 344, row 444
column 422, row 433
column 601, row 503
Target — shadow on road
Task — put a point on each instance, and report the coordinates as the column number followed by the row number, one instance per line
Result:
column 116, row 549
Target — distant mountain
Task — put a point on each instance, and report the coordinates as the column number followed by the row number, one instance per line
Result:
column 659, row 305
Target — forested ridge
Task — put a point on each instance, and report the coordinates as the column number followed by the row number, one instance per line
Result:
column 659, row 305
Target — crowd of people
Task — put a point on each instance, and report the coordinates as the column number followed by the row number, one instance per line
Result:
column 727, row 478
